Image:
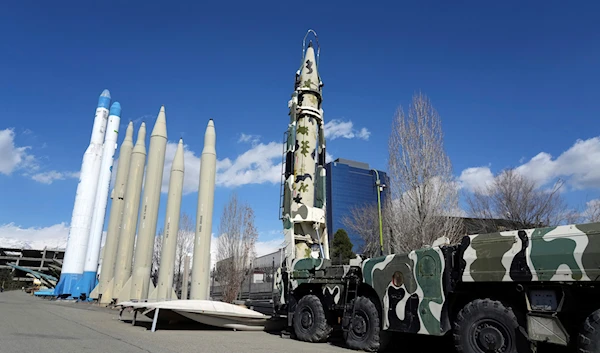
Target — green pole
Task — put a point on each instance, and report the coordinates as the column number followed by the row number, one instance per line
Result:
column 378, row 183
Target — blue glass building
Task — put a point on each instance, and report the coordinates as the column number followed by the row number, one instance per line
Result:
column 350, row 184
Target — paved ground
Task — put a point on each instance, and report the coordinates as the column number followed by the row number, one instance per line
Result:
column 29, row 324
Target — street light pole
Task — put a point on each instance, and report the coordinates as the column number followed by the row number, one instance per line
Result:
column 379, row 187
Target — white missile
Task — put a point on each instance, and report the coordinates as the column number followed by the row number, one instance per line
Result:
column 116, row 214
column 81, row 219
column 129, row 220
column 144, row 244
column 164, row 286
column 89, row 281
column 206, row 198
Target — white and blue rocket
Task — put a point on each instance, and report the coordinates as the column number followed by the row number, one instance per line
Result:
column 89, row 280
column 83, row 209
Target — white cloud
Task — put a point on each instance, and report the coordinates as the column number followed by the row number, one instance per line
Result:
column 260, row 164
column 13, row 157
column 269, row 246
column 51, row 176
column 54, row 236
column 579, row 166
column 328, row 157
column 253, row 139
column 344, row 129
column 476, row 178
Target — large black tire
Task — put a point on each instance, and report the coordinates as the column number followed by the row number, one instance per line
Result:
column 485, row 325
column 310, row 321
column 365, row 328
column 589, row 337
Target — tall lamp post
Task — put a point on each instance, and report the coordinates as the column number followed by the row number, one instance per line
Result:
column 380, row 187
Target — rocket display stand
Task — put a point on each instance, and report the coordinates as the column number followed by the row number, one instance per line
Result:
column 208, row 312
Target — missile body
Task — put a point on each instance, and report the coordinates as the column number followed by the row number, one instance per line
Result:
column 140, row 279
column 130, row 215
column 304, row 190
column 206, row 197
column 81, row 219
column 89, row 281
column 169, row 242
column 116, row 211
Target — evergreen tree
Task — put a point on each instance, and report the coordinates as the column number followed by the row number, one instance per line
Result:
column 341, row 248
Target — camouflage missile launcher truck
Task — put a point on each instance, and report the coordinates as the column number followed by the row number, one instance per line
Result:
column 497, row 292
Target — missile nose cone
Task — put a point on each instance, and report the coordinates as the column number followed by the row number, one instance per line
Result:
column 160, row 126
column 309, row 75
column 104, row 99
column 140, row 144
column 115, row 109
column 310, row 44
column 210, row 138
column 178, row 160
column 129, row 132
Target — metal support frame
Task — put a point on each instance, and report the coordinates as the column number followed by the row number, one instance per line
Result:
column 379, row 186
column 155, row 320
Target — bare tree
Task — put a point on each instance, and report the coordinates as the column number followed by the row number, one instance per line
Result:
column 423, row 190
column 156, row 252
column 592, row 213
column 185, row 245
column 235, row 246
column 514, row 201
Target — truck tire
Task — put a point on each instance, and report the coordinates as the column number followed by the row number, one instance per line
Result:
column 310, row 321
column 485, row 325
column 365, row 327
column 589, row 337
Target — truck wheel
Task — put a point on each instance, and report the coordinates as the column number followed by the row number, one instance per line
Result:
column 310, row 322
column 589, row 337
column 488, row 326
column 365, row 328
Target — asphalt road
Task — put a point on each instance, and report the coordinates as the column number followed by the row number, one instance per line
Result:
column 30, row 324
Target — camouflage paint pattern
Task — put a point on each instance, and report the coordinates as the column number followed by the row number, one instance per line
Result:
column 416, row 302
column 562, row 253
column 304, row 199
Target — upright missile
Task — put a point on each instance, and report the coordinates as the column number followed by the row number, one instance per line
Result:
column 116, row 211
column 206, row 197
column 89, row 281
column 144, row 246
column 81, row 219
column 130, row 217
column 169, row 243
column 304, row 191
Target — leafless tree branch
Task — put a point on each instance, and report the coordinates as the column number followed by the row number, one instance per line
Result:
column 423, row 190
column 236, row 246
column 515, row 201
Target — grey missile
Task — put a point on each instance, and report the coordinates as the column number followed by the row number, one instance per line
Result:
column 169, row 242
column 206, row 197
column 130, row 217
column 116, row 211
column 144, row 246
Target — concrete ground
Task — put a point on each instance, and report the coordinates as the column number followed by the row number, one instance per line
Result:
column 30, row 324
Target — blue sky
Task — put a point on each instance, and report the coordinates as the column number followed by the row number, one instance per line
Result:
column 511, row 81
